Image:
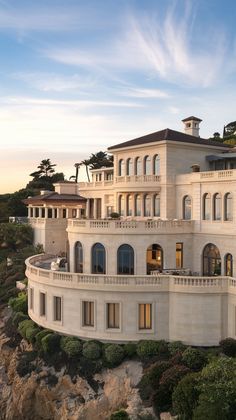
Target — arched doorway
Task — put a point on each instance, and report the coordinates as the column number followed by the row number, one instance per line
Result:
column 154, row 258
column 211, row 260
column 125, row 259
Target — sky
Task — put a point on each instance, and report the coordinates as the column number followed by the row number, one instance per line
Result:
column 79, row 76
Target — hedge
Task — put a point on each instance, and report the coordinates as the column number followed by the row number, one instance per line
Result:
column 92, row 350
column 72, row 346
column 114, row 354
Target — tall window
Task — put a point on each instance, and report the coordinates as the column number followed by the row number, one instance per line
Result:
column 137, row 205
column 211, row 260
column 129, row 205
column 206, row 207
column 129, row 167
column 229, row 265
column 121, row 205
column 157, row 203
column 147, row 165
column 187, row 207
column 88, row 314
column 156, row 165
column 121, row 168
column 68, row 254
column 179, row 255
column 145, row 316
column 78, row 257
column 217, row 206
column 98, row 259
column 57, row 308
column 31, row 300
column 138, row 166
column 228, row 206
column 125, row 259
column 42, row 304
column 154, row 258
column 113, row 315
column 147, row 206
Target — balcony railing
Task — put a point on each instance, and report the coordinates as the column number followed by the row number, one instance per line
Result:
column 138, row 178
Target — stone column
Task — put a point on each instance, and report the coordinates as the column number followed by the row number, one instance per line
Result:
column 95, row 208
column 29, row 211
column 142, row 204
column 46, row 212
column 40, row 212
column 87, row 208
column 34, row 211
column 152, row 205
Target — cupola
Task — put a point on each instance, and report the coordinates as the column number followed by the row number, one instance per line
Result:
column 191, row 126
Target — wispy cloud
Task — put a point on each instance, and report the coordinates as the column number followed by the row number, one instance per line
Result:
column 144, row 93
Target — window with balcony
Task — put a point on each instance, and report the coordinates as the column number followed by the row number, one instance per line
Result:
column 121, row 167
column 98, row 259
column 147, row 206
column 156, row 165
column 147, row 165
column 78, row 257
column 129, row 167
column 217, row 204
column 88, row 314
column 57, row 308
column 179, row 255
column 156, row 204
column 137, row 205
column 125, row 260
column 154, row 258
column 206, row 206
column 113, row 315
column 42, row 304
column 229, row 265
column 138, row 166
column 211, row 260
column 121, row 205
column 187, row 208
column 228, row 207
column 145, row 316
column 129, row 205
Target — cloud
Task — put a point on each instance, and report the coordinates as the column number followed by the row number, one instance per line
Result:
column 144, row 93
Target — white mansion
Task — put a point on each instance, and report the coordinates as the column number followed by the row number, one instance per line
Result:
column 165, row 268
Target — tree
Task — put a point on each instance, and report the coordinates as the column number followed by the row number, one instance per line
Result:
column 96, row 161
column 46, row 168
column 45, row 177
column 229, row 129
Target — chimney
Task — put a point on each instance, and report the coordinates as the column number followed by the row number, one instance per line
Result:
column 191, row 126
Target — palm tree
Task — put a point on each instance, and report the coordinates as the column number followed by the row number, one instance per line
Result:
column 46, row 168
column 75, row 177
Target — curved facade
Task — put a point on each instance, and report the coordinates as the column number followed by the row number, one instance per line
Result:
column 165, row 269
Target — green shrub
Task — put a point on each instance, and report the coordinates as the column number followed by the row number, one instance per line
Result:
column 145, row 388
column 18, row 317
column 195, row 359
column 24, row 365
column 24, row 325
column 114, row 354
column 51, row 343
column 92, row 350
column 161, row 399
column 228, row 346
column 151, row 378
column 72, row 346
column 19, row 303
column 30, row 333
column 149, row 348
column 120, row 415
column 176, row 347
column 39, row 336
column 173, row 375
column 130, row 349
column 185, row 396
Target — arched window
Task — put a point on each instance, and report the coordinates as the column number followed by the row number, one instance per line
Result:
column 147, row 165
column 121, row 205
column 229, row 265
column 228, row 206
column 211, row 260
column 129, row 167
column 206, row 204
column 98, row 259
column 129, row 205
column 147, row 206
column 156, row 203
column 125, row 259
column 156, row 165
column 154, row 258
column 217, row 206
column 78, row 258
column 137, row 205
column 187, row 207
column 138, row 166
column 121, row 170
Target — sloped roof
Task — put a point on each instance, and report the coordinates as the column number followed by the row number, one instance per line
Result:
column 53, row 196
column 168, row 134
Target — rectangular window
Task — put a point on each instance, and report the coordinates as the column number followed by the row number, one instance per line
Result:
column 145, row 316
column 88, row 314
column 113, row 315
column 57, row 308
column 31, row 298
column 42, row 303
column 64, row 213
column 179, row 255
